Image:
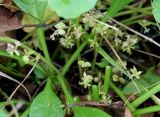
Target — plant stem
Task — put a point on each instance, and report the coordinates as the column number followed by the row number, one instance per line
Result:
column 79, row 58
column 146, row 96
column 25, row 113
column 10, row 40
column 65, row 90
column 15, row 73
column 73, row 57
column 146, row 110
column 133, row 18
column 120, row 94
column 130, row 12
column 19, row 59
column 41, row 37
column 107, row 79
column 111, row 61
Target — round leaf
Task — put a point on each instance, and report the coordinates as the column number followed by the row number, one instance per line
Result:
column 71, row 8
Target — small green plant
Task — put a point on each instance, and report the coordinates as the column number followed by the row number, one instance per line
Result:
column 82, row 30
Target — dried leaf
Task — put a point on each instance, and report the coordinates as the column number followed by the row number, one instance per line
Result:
column 8, row 21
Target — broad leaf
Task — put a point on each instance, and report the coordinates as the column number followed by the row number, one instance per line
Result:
column 156, row 10
column 46, row 104
column 71, row 8
column 89, row 112
column 49, row 16
column 35, row 8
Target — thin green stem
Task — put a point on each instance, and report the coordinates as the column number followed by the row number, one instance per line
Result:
column 19, row 59
column 146, row 96
column 111, row 61
column 133, row 18
column 127, row 12
column 25, row 113
column 65, row 90
column 146, row 110
column 79, row 58
column 42, row 41
column 29, row 35
column 73, row 57
column 15, row 73
column 10, row 40
column 120, row 94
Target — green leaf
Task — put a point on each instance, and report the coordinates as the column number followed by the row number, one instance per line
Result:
column 111, row 61
column 46, row 104
column 156, row 10
column 103, row 63
column 116, row 6
column 89, row 112
column 3, row 113
column 147, row 79
column 39, row 74
column 71, row 8
column 35, row 8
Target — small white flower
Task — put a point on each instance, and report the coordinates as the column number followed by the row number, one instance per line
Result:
column 93, row 43
column 66, row 42
column 11, row 49
column 84, row 64
column 135, row 73
column 86, row 80
column 60, row 25
column 26, row 59
column 17, row 43
column 61, row 32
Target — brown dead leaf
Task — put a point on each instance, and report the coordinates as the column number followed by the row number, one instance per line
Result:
column 8, row 21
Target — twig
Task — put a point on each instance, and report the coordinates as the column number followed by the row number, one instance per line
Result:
column 150, row 54
column 22, row 81
column 16, row 81
column 130, row 29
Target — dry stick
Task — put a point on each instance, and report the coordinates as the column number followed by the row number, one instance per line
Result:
column 37, row 25
column 112, row 27
column 86, row 103
column 7, row 5
column 17, row 107
column 12, row 105
column 22, row 82
column 14, row 80
column 147, row 53
column 130, row 29
column 118, row 57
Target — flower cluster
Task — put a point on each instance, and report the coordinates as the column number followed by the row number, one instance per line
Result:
column 68, row 34
column 86, row 80
column 13, row 49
